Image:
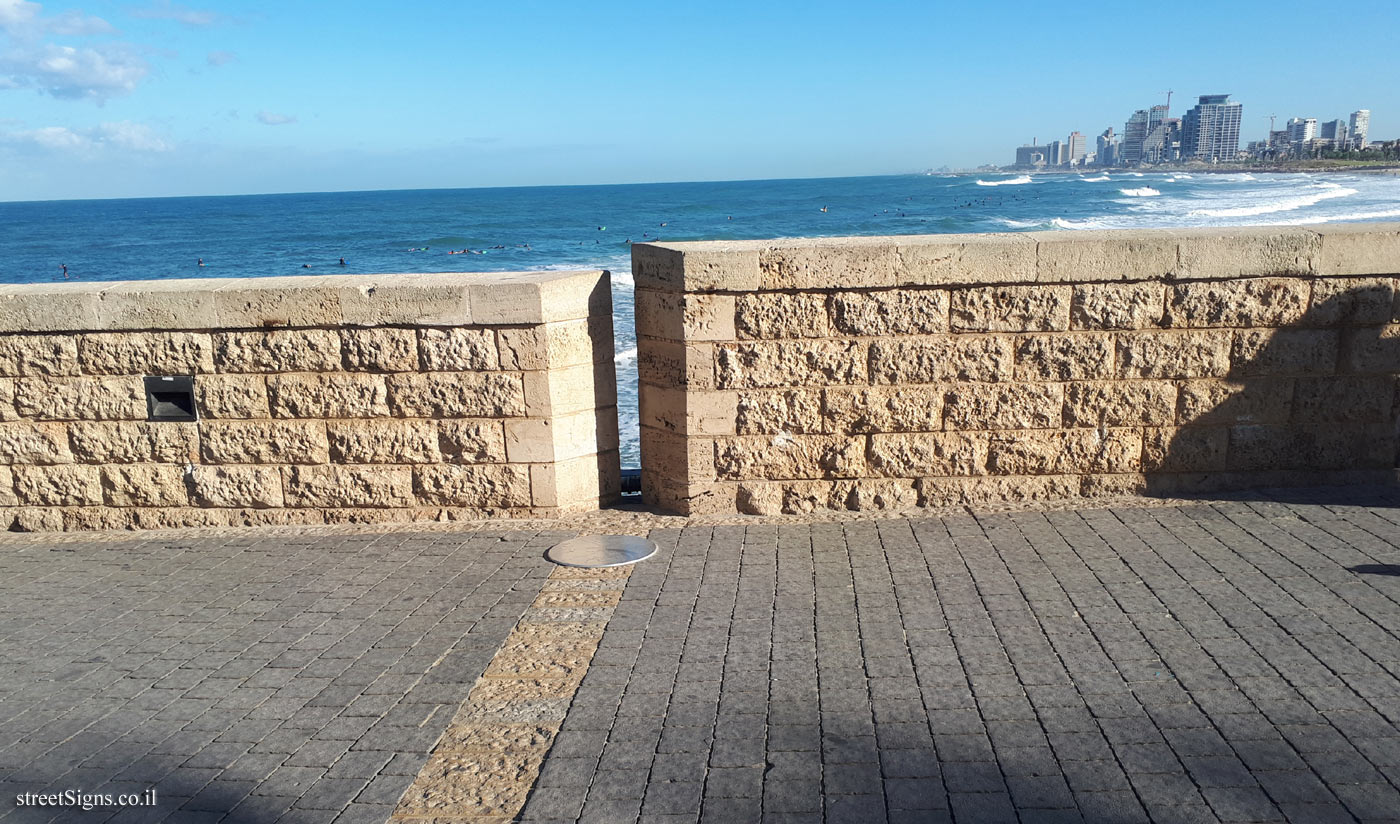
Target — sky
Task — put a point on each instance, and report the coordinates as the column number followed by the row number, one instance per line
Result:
column 107, row 98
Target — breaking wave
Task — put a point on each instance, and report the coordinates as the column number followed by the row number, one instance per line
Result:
column 1328, row 191
column 1015, row 181
column 1145, row 191
column 1061, row 223
column 1099, row 179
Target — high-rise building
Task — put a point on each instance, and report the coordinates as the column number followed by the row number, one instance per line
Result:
column 1078, row 148
column 1300, row 131
column 1360, row 127
column 1210, row 131
column 1335, row 133
column 1134, row 132
column 1107, row 145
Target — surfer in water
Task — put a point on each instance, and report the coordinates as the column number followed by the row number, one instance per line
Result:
column 64, row 266
column 342, row 261
column 201, row 262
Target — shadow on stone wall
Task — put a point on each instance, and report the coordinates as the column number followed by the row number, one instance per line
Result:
column 1310, row 404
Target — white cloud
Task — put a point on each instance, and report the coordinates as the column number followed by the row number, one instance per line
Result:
column 221, row 58
column 122, row 135
column 17, row 13
column 184, row 15
column 94, row 72
column 275, row 119
column 74, row 23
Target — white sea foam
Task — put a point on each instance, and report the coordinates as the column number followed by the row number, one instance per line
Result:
column 1294, row 221
column 1145, row 191
column 1087, row 223
column 1135, row 174
column 1099, row 179
column 626, row 355
column 1321, row 192
column 1183, row 176
column 1020, row 224
column 1015, row 181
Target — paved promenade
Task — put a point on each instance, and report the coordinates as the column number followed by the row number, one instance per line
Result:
column 1225, row 661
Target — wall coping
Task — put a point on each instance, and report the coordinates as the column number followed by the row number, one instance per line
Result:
column 447, row 299
column 1323, row 250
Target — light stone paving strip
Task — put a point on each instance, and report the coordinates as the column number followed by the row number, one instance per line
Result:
column 484, row 766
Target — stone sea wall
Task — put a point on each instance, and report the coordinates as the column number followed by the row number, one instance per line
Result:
column 888, row 372
column 319, row 400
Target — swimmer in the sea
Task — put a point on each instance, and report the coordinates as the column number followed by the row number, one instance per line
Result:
column 342, row 261
column 201, row 262
column 306, row 266
column 65, row 270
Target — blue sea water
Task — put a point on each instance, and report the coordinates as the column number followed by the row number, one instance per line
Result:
column 570, row 227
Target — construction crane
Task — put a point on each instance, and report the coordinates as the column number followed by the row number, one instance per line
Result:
column 1271, row 122
column 1168, row 93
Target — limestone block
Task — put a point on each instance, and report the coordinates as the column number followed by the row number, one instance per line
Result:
column 146, row 353
column 915, row 455
column 37, row 519
column 1238, row 303
column 570, row 389
column 379, row 350
column 1365, row 399
column 277, row 517
column 973, row 406
column 697, row 267
column 563, row 296
column 940, row 358
column 995, row 489
column 1284, row 352
column 1185, row 449
column 407, row 300
column 1120, row 403
column 860, row 409
column 22, row 442
column 1299, row 446
column 1065, row 452
column 1247, row 252
column 1010, row 309
column 770, row 315
column 545, row 440
column 265, row 442
column 789, row 497
column 458, row 350
column 125, row 442
column 57, row 307
column 564, row 343
column 158, row 304
column 456, row 395
column 81, row 399
column 897, row 312
column 1256, row 400
column 38, row 355
column 1118, row 306
column 679, row 458
column 935, row 260
column 795, row 457
column 452, row 485
column 875, row 495
column 1128, row 484
column 259, row 487
column 667, row 363
column 675, row 316
column 7, row 488
column 798, row 411
column 300, row 350
column 383, row 442
column 757, row 498
column 67, row 485
column 1069, row 357
column 1173, row 355
column 328, row 396
column 96, row 518
column 231, row 396
column 1371, row 350
column 864, row 262
column 684, row 498
column 1358, row 249
column 338, row 486
column 1080, row 256
column 789, row 363
column 300, row 300
column 1351, row 301
column 577, row 484
column 469, row 441
column 145, row 485
column 7, row 400
column 691, row 412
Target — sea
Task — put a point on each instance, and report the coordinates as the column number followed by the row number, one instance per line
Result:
column 570, row 227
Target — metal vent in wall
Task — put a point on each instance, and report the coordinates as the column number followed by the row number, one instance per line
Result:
column 170, row 398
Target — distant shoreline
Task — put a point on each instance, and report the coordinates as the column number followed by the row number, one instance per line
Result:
column 1222, row 168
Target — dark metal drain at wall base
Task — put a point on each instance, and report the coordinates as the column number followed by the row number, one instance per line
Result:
column 631, row 482
column 601, row 551
column 170, row 398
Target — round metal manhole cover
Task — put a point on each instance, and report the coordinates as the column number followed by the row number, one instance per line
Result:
column 601, row 551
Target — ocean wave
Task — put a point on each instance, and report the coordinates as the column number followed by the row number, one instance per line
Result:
column 1145, row 191
column 1328, row 191
column 1015, row 181
column 1183, row 176
column 1090, row 223
column 1135, row 174
column 1020, row 224
column 626, row 355
column 1099, row 179
column 1342, row 218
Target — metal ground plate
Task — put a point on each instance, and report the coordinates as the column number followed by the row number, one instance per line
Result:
column 601, row 551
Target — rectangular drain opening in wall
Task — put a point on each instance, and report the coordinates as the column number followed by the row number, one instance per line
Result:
column 170, row 398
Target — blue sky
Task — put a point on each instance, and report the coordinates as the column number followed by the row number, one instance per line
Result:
column 104, row 98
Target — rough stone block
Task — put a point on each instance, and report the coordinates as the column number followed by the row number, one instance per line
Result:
column 684, row 498
column 299, row 300
column 383, row 442
column 1371, row 350
column 1351, row 301
column 940, row 358
column 1079, row 256
column 1284, row 352
column 1185, row 449
column 1367, row 399
column 684, row 317
column 677, row 458
column 343, row 486
column 37, row 519
column 875, row 495
column 146, row 353
column 692, row 412
column 34, row 443
column 96, row 518
column 552, row 345
column 379, row 350
column 884, row 313
column 860, row 409
column 1358, row 249
column 671, row 364
column 57, row 307
column 787, row 497
column 1255, row 400
column 157, row 304
column 851, row 262
column 38, row 355
column 7, row 489
column 456, row 395
column 1065, row 452
column 259, row 487
column 935, row 260
column 789, row 457
column 570, row 389
column 1010, row 309
column 995, row 488
column 81, row 399
column 231, row 396
column 408, row 300
column 7, row 400
column 125, row 442
column 67, row 485
column 458, row 350
column 1074, row 356
column 1118, row 306
column 772, row 315
column 789, row 363
column 327, row 396
column 265, row 442
column 697, row 267
column 1130, row 484
column 1298, row 446
column 973, row 406
column 487, row 486
column 797, row 411
column 1247, row 252
column 1173, row 355
column 916, row 455
column 1120, row 403
column 468, row 441
column 145, row 485
column 291, row 350
column 1238, row 303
